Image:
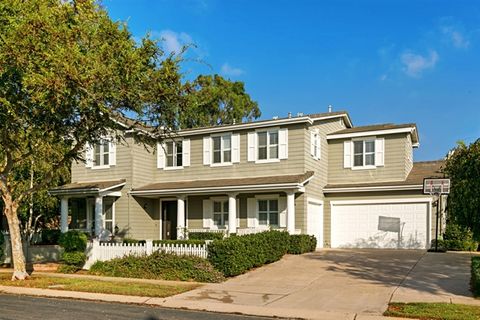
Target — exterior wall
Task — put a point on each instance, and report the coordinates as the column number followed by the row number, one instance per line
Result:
column 367, row 196
column 408, row 156
column 393, row 170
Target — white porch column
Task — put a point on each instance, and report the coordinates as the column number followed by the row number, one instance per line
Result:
column 180, row 217
column 98, row 215
column 232, row 213
column 64, row 214
column 291, row 212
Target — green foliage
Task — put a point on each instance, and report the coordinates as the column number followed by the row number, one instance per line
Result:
column 74, row 258
column 159, row 265
column 190, row 241
column 206, row 235
column 73, row 241
column 2, row 241
column 238, row 254
column 302, row 243
column 463, row 169
column 67, row 268
column 133, row 241
column 475, row 280
column 50, row 236
column 457, row 238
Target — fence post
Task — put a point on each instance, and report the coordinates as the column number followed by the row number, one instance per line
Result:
column 149, row 247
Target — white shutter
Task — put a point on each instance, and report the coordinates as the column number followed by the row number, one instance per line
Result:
column 236, row 148
column 312, row 143
column 238, row 212
column 252, row 146
column 112, row 157
column 282, row 212
column 252, row 213
column 347, row 154
column 88, row 155
column 380, row 152
column 319, row 146
column 160, row 155
column 186, row 152
column 283, row 143
column 207, row 149
column 207, row 213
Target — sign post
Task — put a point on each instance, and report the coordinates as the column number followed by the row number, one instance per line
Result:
column 438, row 187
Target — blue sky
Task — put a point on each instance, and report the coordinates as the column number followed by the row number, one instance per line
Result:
column 382, row 61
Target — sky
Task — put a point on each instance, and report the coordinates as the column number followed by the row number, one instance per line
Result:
column 382, row 61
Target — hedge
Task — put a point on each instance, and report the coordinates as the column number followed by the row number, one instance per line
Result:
column 206, row 235
column 74, row 244
column 475, row 280
column 159, row 265
column 457, row 238
column 302, row 243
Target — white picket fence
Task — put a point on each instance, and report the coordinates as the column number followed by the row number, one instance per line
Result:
column 97, row 251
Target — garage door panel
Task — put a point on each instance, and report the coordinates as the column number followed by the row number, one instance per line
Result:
column 357, row 225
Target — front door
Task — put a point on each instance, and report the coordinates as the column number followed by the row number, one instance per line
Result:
column 169, row 220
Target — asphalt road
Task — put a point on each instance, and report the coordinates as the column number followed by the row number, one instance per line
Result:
column 23, row 307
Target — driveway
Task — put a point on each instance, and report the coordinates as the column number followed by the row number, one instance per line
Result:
column 337, row 284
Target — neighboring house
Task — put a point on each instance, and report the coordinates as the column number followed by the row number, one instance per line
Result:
column 317, row 174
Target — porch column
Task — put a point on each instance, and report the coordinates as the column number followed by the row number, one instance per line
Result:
column 180, row 217
column 98, row 215
column 232, row 213
column 64, row 214
column 291, row 212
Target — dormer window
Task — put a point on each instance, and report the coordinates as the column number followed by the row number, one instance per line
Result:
column 364, row 153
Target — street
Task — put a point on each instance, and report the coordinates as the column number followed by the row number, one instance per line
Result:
column 24, row 307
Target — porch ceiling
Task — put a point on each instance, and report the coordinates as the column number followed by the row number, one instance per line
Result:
column 92, row 187
column 295, row 181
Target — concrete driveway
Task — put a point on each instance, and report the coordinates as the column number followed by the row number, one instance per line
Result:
column 337, row 284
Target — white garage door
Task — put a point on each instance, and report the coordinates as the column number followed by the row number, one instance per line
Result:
column 380, row 225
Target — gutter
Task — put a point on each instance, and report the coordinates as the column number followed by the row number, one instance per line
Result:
column 372, row 189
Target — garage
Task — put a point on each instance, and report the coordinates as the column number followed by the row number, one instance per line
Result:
column 315, row 220
column 401, row 224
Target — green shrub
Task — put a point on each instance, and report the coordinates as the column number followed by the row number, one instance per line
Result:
column 206, row 235
column 457, row 238
column 237, row 254
column 133, row 241
column 66, row 268
column 74, row 258
column 302, row 243
column 159, row 265
column 441, row 245
column 50, row 236
column 475, row 280
column 73, row 241
column 197, row 242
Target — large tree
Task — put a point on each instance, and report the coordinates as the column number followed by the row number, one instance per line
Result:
column 463, row 169
column 67, row 72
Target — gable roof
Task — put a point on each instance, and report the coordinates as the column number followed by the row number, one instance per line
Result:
column 377, row 129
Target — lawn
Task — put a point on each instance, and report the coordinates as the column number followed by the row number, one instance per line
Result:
column 98, row 286
column 433, row 311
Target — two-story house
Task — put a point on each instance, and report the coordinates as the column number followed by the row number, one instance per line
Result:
column 316, row 174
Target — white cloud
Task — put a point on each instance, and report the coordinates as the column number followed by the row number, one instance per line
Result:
column 228, row 70
column 416, row 64
column 173, row 42
column 455, row 37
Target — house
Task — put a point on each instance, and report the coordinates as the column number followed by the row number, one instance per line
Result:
column 316, row 174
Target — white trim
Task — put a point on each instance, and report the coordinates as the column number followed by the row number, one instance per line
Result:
column 376, row 188
column 315, row 200
column 221, row 164
column 370, row 133
column 310, row 200
column 267, row 196
column 257, row 145
column 343, row 115
column 172, row 168
column 212, row 151
column 160, row 220
column 380, row 201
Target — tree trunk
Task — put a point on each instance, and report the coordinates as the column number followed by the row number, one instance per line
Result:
column 18, row 258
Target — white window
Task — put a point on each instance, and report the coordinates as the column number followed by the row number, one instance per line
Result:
column 268, row 212
column 364, row 153
column 222, row 149
column 174, row 154
column 220, row 213
column 267, row 145
column 315, row 144
column 100, row 155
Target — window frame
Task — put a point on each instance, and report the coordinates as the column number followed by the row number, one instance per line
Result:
column 223, row 214
column 174, row 155
column 268, row 212
column 101, row 144
column 222, row 150
column 364, row 153
column 267, row 146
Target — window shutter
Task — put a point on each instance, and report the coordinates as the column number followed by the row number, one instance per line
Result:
column 207, row 149
column 252, row 213
column 186, row 152
column 160, row 155
column 236, row 148
column 252, row 145
column 319, row 146
column 380, row 152
column 283, row 143
column 282, row 212
column 347, row 154
column 207, row 213
column 112, row 146
column 312, row 143
column 238, row 212
column 88, row 155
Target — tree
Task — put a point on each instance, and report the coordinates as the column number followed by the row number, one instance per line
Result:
column 67, row 73
column 463, row 169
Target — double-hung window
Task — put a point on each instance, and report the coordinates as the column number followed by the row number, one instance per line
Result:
column 267, row 145
column 268, row 212
column 364, row 153
column 220, row 213
column 101, row 154
column 174, row 154
column 222, row 149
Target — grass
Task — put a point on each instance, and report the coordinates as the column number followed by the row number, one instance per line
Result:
column 433, row 311
column 99, row 286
